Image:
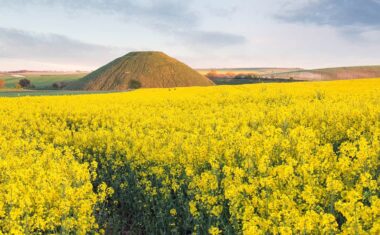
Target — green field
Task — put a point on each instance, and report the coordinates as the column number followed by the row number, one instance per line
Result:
column 40, row 81
column 20, row 93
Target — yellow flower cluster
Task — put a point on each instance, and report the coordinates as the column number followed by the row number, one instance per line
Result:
column 251, row 159
column 42, row 189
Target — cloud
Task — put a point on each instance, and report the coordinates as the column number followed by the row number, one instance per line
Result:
column 167, row 17
column 162, row 13
column 337, row 13
column 52, row 48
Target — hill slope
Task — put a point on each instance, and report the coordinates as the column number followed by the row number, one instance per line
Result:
column 341, row 73
column 141, row 69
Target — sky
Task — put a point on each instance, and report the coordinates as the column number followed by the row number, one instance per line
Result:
column 85, row 34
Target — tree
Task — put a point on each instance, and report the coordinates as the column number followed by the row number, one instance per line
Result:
column 212, row 74
column 230, row 75
column 25, row 83
column 2, row 83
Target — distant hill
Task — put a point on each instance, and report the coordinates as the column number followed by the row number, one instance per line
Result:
column 257, row 71
column 141, row 69
column 340, row 73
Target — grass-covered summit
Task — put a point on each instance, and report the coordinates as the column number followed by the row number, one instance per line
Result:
column 141, row 69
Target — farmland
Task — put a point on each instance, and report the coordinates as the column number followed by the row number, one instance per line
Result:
column 258, row 71
column 248, row 159
column 41, row 80
column 42, row 83
column 22, row 92
column 265, row 75
column 328, row 74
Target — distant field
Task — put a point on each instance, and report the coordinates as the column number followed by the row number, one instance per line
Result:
column 325, row 74
column 41, row 80
column 341, row 73
column 258, row 71
column 21, row 93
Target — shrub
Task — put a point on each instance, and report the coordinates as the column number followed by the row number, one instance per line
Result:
column 59, row 85
column 134, row 84
column 2, row 83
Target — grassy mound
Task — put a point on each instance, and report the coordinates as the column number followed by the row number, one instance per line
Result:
column 141, row 69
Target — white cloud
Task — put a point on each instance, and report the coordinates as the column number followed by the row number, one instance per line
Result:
column 173, row 17
column 53, row 49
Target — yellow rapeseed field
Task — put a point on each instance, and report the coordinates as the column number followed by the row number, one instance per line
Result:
column 301, row 158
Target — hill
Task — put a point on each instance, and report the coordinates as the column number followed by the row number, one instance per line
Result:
column 141, row 69
column 340, row 73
